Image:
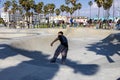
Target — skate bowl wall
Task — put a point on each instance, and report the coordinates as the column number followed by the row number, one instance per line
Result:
column 71, row 32
column 14, row 35
column 41, row 41
column 27, row 58
column 35, row 43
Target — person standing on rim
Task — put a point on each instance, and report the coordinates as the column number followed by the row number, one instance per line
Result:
column 62, row 48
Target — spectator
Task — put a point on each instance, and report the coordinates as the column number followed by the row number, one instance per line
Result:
column 75, row 23
column 118, row 25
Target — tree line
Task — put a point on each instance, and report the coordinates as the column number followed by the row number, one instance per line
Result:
column 27, row 8
column 106, row 4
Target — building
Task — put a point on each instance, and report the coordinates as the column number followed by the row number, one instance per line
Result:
column 67, row 19
column 55, row 18
column 81, row 19
column 5, row 16
column 18, row 17
column 11, row 17
column 38, row 18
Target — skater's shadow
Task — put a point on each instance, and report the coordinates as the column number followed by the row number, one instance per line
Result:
column 37, row 67
column 118, row 79
column 85, row 69
column 107, row 47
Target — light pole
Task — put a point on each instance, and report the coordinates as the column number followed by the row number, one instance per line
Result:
column 118, row 12
column 113, row 9
column 118, row 8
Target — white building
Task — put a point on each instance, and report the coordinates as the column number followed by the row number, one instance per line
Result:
column 81, row 19
column 5, row 16
column 39, row 18
column 55, row 18
column 11, row 17
column 67, row 19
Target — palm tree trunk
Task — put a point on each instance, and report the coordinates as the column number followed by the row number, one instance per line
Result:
column 62, row 13
column 39, row 20
column 13, row 20
column 98, row 13
column 26, row 21
column 113, row 9
column 103, row 13
column 90, row 12
column 78, row 12
column 75, row 13
column 31, row 23
column 28, row 24
column 108, row 14
column 9, row 20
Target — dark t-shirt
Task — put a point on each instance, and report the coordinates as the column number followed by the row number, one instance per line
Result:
column 63, row 40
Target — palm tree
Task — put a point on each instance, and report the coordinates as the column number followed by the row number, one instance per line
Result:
column 27, row 5
column 79, row 5
column 14, row 9
column 51, row 8
column 90, row 3
column 45, row 10
column 7, row 4
column 31, row 3
column 57, row 11
column 38, row 9
column 67, row 2
column 62, row 8
column 75, row 9
column 67, row 9
column 71, row 11
column 99, row 4
column 20, row 9
column 107, row 5
column 73, row 2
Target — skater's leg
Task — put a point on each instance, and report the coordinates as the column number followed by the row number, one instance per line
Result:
column 57, row 52
column 64, row 55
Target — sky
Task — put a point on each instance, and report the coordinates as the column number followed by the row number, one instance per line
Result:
column 85, row 11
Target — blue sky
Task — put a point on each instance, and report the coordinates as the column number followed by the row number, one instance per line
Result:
column 85, row 7
column 59, row 2
column 85, row 11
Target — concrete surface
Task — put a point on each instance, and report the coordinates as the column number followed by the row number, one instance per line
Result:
column 93, row 55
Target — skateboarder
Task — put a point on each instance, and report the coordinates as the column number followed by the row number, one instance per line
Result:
column 62, row 48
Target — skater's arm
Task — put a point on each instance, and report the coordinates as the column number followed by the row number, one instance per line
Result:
column 54, row 41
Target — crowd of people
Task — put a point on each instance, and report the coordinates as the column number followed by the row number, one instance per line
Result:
column 108, row 24
column 98, row 24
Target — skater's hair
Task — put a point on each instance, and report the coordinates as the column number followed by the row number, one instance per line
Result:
column 60, row 32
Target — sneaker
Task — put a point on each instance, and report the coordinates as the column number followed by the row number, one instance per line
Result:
column 52, row 61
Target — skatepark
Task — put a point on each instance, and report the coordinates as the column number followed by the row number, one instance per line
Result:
column 94, row 54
